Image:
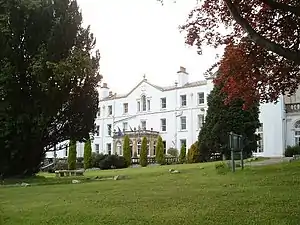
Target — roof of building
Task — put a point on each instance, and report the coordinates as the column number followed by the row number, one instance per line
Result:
column 167, row 88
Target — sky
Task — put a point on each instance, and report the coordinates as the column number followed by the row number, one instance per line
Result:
column 137, row 37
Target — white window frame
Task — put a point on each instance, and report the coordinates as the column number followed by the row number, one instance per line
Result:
column 125, row 108
column 109, row 110
column 144, row 103
column 163, row 103
column 148, row 104
column 97, row 133
column 297, row 132
column 181, row 123
column 143, row 127
column 260, row 142
column 109, row 130
column 163, row 127
column 183, row 102
column 200, row 118
column 97, row 148
column 201, row 99
column 125, row 126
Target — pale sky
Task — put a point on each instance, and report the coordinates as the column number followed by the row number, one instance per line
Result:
column 137, row 37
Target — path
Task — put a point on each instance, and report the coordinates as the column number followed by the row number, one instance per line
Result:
column 268, row 161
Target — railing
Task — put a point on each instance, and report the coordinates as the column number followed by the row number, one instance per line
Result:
column 152, row 160
column 292, row 107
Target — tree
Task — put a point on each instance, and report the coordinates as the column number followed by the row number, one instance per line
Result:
column 127, row 150
column 48, row 80
column 173, row 152
column 262, row 39
column 87, row 156
column 222, row 119
column 160, row 156
column 194, row 153
column 72, row 155
column 182, row 155
column 144, row 153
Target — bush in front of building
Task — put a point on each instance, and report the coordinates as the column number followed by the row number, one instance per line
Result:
column 87, row 154
column 126, row 150
column 72, row 155
column 96, row 159
column 290, row 151
column 193, row 155
column 159, row 156
column 182, row 156
column 173, row 152
column 144, row 151
column 112, row 162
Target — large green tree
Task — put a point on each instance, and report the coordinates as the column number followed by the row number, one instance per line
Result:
column 127, row 150
column 144, row 151
column 221, row 119
column 159, row 155
column 48, row 80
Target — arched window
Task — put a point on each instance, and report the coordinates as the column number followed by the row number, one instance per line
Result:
column 139, row 145
column 144, row 103
column 297, row 132
column 119, row 149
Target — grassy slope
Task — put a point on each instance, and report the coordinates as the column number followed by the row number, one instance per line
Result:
column 262, row 195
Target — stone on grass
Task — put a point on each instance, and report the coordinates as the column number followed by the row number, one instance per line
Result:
column 75, row 181
column 25, row 184
column 119, row 177
column 173, row 171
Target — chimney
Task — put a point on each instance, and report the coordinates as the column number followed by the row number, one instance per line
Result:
column 183, row 78
column 104, row 85
column 110, row 93
column 104, row 91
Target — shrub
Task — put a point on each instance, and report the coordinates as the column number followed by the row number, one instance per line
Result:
column 292, row 150
column 160, row 157
column 87, row 154
column 173, row 152
column 112, row 162
column 72, row 155
column 144, row 151
column 194, row 153
column 182, row 156
column 221, row 167
column 80, row 159
column 126, row 150
column 96, row 159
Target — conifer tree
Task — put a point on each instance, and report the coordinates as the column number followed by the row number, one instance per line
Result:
column 87, row 154
column 144, row 151
column 160, row 156
column 126, row 150
column 72, row 155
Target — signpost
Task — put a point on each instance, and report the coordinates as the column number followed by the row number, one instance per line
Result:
column 236, row 145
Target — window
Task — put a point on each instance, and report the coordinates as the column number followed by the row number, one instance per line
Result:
column 165, row 147
column 154, row 148
column 297, row 132
column 66, row 152
column 109, row 129
column 125, row 126
column 163, row 124
column 99, row 112
column 97, row 148
column 183, row 123
column 109, row 110
column 143, row 124
column 125, row 108
column 183, row 100
column 200, row 98
column 108, row 146
column 97, row 130
column 183, row 143
column 139, row 144
column 148, row 148
column 144, row 105
column 148, row 103
column 138, row 106
column 200, row 120
column 163, row 103
column 260, row 142
column 119, row 149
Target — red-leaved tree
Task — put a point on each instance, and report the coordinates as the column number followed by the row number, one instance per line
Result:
column 262, row 38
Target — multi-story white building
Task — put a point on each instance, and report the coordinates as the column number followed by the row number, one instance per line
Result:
column 177, row 113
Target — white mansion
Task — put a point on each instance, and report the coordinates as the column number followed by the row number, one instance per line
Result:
column 177, row 113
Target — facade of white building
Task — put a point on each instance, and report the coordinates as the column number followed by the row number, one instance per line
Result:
column 177, row 113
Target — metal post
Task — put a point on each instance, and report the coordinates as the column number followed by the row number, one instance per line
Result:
column 232, row 153
column 241, row 148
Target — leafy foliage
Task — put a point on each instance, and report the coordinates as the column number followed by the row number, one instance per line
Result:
column 72, row 155
column 87, row 154
column 144, row 151
column 48, row 80
column 290, row 151
column 182, row 155
column 160, row 156
column 112, row 162
column 173, row 152
column 262, row 57
column 194, row 153
column 222, row 119
column 96, row 159
column 127, row 150
column 221, row 167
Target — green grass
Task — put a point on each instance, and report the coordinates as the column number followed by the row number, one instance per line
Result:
column 260, row 195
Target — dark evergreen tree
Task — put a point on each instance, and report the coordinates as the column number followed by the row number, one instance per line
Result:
column 72, row 155
column 144, row 151
column 182, row 155
column 126, row 150
column 87, row 155
column 222, row 119
column 48, row 80
column 159, row 155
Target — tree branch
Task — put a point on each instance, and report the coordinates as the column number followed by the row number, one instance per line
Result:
column 260, row 40
column 282, row 6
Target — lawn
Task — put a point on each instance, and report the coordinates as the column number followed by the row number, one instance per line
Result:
column 258, row 195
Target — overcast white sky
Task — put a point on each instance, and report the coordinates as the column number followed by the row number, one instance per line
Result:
column 142, row 36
